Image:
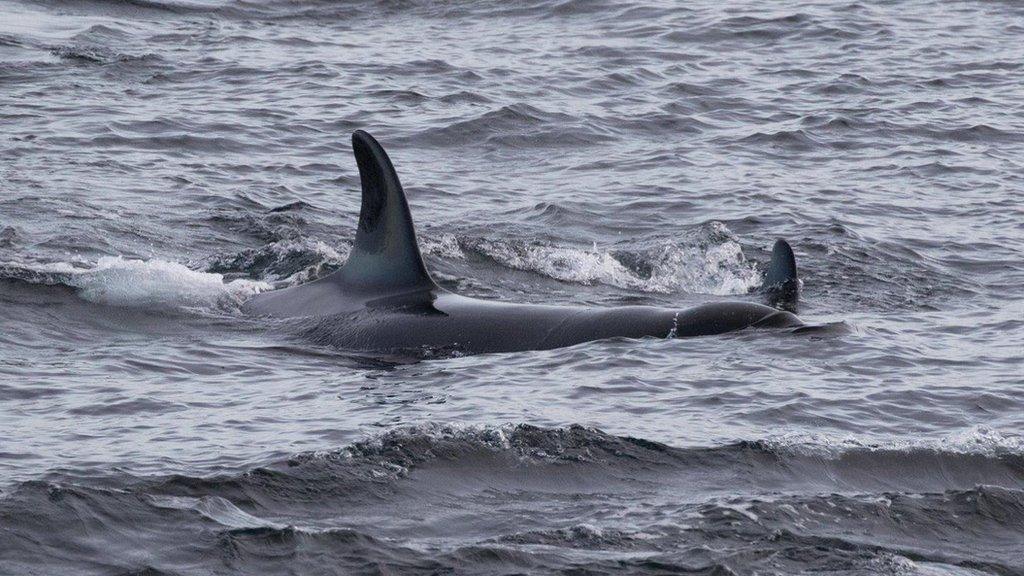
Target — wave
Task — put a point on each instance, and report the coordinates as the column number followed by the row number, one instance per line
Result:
column 796, row 140
column 93, row 54
column 342, row 10
column 963, row 459
column 513, row 126
column 581, row 498
column 157, row 8
column 367, row 466
column 284, row 262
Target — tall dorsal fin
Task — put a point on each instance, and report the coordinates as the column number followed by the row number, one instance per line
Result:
column 385, row 257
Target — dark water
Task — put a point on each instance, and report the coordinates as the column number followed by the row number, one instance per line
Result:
column 161, row 162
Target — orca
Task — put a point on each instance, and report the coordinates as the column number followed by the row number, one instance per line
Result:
column 384, row 300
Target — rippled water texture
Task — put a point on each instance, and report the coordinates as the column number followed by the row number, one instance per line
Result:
column 161, row 162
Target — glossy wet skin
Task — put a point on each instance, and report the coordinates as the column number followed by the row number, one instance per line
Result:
column 441, row 320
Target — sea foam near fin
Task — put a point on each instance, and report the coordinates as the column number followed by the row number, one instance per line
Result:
column 711, row 262
column 119, row 281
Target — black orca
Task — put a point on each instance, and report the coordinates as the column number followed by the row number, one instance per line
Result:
column 383, row 299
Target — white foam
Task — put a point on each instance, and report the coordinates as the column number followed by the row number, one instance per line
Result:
column 561, row 263
column 719, row 269
column 326, row 256
column 445, row 246
column 978, row 440
column 118, row 281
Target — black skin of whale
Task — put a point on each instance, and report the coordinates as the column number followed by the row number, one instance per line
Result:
column 383, row 299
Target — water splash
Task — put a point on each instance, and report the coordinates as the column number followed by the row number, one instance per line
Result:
column 159, row 284
column 710, row 262
column 284, row 262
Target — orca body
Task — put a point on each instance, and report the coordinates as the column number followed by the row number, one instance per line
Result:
column 383, row 299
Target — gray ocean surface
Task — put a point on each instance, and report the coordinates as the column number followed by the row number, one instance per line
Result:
column 162, row 161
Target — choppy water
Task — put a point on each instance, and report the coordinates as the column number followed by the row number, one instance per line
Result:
column 162, row 161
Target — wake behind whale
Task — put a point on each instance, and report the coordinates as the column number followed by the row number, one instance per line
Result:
column 384, row 299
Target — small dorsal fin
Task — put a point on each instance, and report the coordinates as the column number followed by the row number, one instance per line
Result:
column 781, row 283
column 782, row 268
column 385, row 257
